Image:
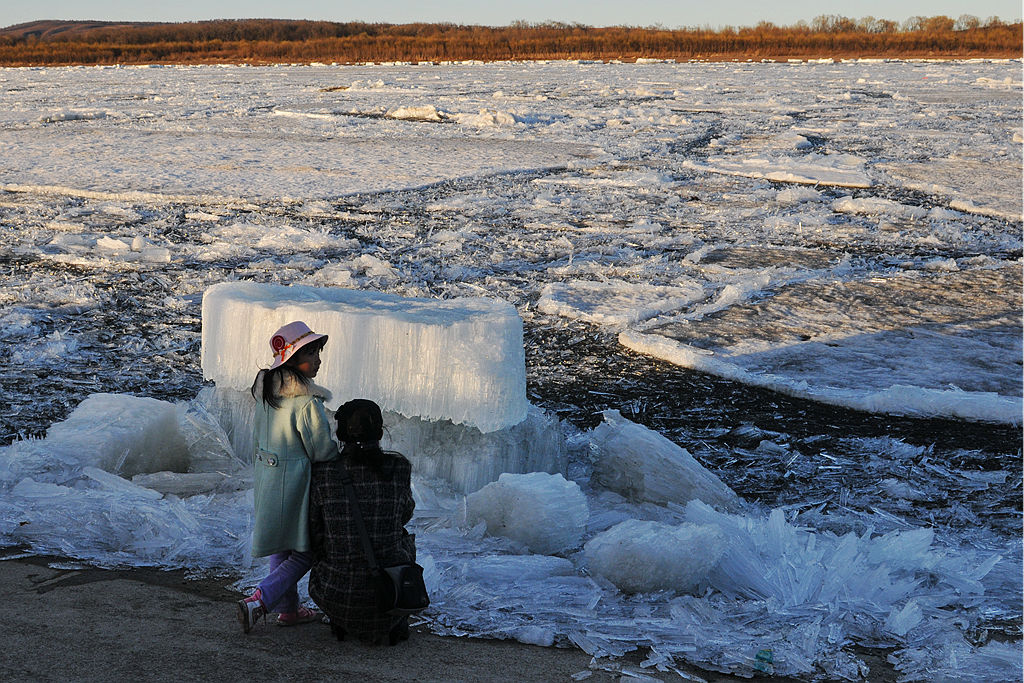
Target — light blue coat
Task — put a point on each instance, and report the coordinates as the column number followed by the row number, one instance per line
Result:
column 288, row 439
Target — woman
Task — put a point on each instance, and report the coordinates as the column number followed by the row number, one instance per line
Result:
column 340, row 581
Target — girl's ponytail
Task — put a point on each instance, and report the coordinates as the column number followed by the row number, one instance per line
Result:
column 268, row 383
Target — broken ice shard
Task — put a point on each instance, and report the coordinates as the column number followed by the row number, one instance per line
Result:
column 642, row 465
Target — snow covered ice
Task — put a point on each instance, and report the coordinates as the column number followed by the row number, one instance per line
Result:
column 795, row 239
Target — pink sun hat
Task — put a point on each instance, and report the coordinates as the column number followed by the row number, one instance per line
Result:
column 289, row 339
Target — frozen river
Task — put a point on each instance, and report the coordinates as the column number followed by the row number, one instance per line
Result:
column 809, row 275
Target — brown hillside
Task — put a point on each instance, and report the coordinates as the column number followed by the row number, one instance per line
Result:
column 51, row 28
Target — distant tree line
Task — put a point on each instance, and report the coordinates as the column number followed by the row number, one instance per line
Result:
column 275, row 41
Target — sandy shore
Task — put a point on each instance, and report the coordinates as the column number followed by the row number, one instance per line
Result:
column 141, row 624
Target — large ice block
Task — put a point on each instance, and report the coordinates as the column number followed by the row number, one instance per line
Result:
column 175, row 448
column 460, row 359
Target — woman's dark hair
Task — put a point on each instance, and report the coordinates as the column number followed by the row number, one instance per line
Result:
column 360, row 429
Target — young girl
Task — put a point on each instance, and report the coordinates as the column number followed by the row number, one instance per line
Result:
column 341, row 582
column 291, row 432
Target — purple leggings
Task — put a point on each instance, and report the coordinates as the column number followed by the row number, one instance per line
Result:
column 278, row 589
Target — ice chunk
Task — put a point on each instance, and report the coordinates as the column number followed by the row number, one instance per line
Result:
column 542, row 511
column 234, row 412
column 642, row 557
column 878, row 207
column 431, row 575
column 535, row 635
column 119, row 485
column 460, row 359
column 123, row 434
column 797, row 195
column 427, row 112
column 900, row 621
column 469, row 459
column 643, row 465
column 30, row 488
column 843, row 170
column 130, row 435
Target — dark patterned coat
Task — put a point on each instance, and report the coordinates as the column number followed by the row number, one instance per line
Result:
column 340, row 581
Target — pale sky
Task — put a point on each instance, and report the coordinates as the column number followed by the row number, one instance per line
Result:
column 669, row 13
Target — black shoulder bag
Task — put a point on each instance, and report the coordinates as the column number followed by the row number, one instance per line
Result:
column 400, row 588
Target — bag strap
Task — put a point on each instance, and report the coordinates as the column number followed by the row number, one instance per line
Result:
column 357, row 516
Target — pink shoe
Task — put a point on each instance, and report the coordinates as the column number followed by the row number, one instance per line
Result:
column 303, row 615
column 250, row 610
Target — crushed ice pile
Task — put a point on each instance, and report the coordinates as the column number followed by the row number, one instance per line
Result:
column 642, row 556
column 688, row 581
column 639, row 547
